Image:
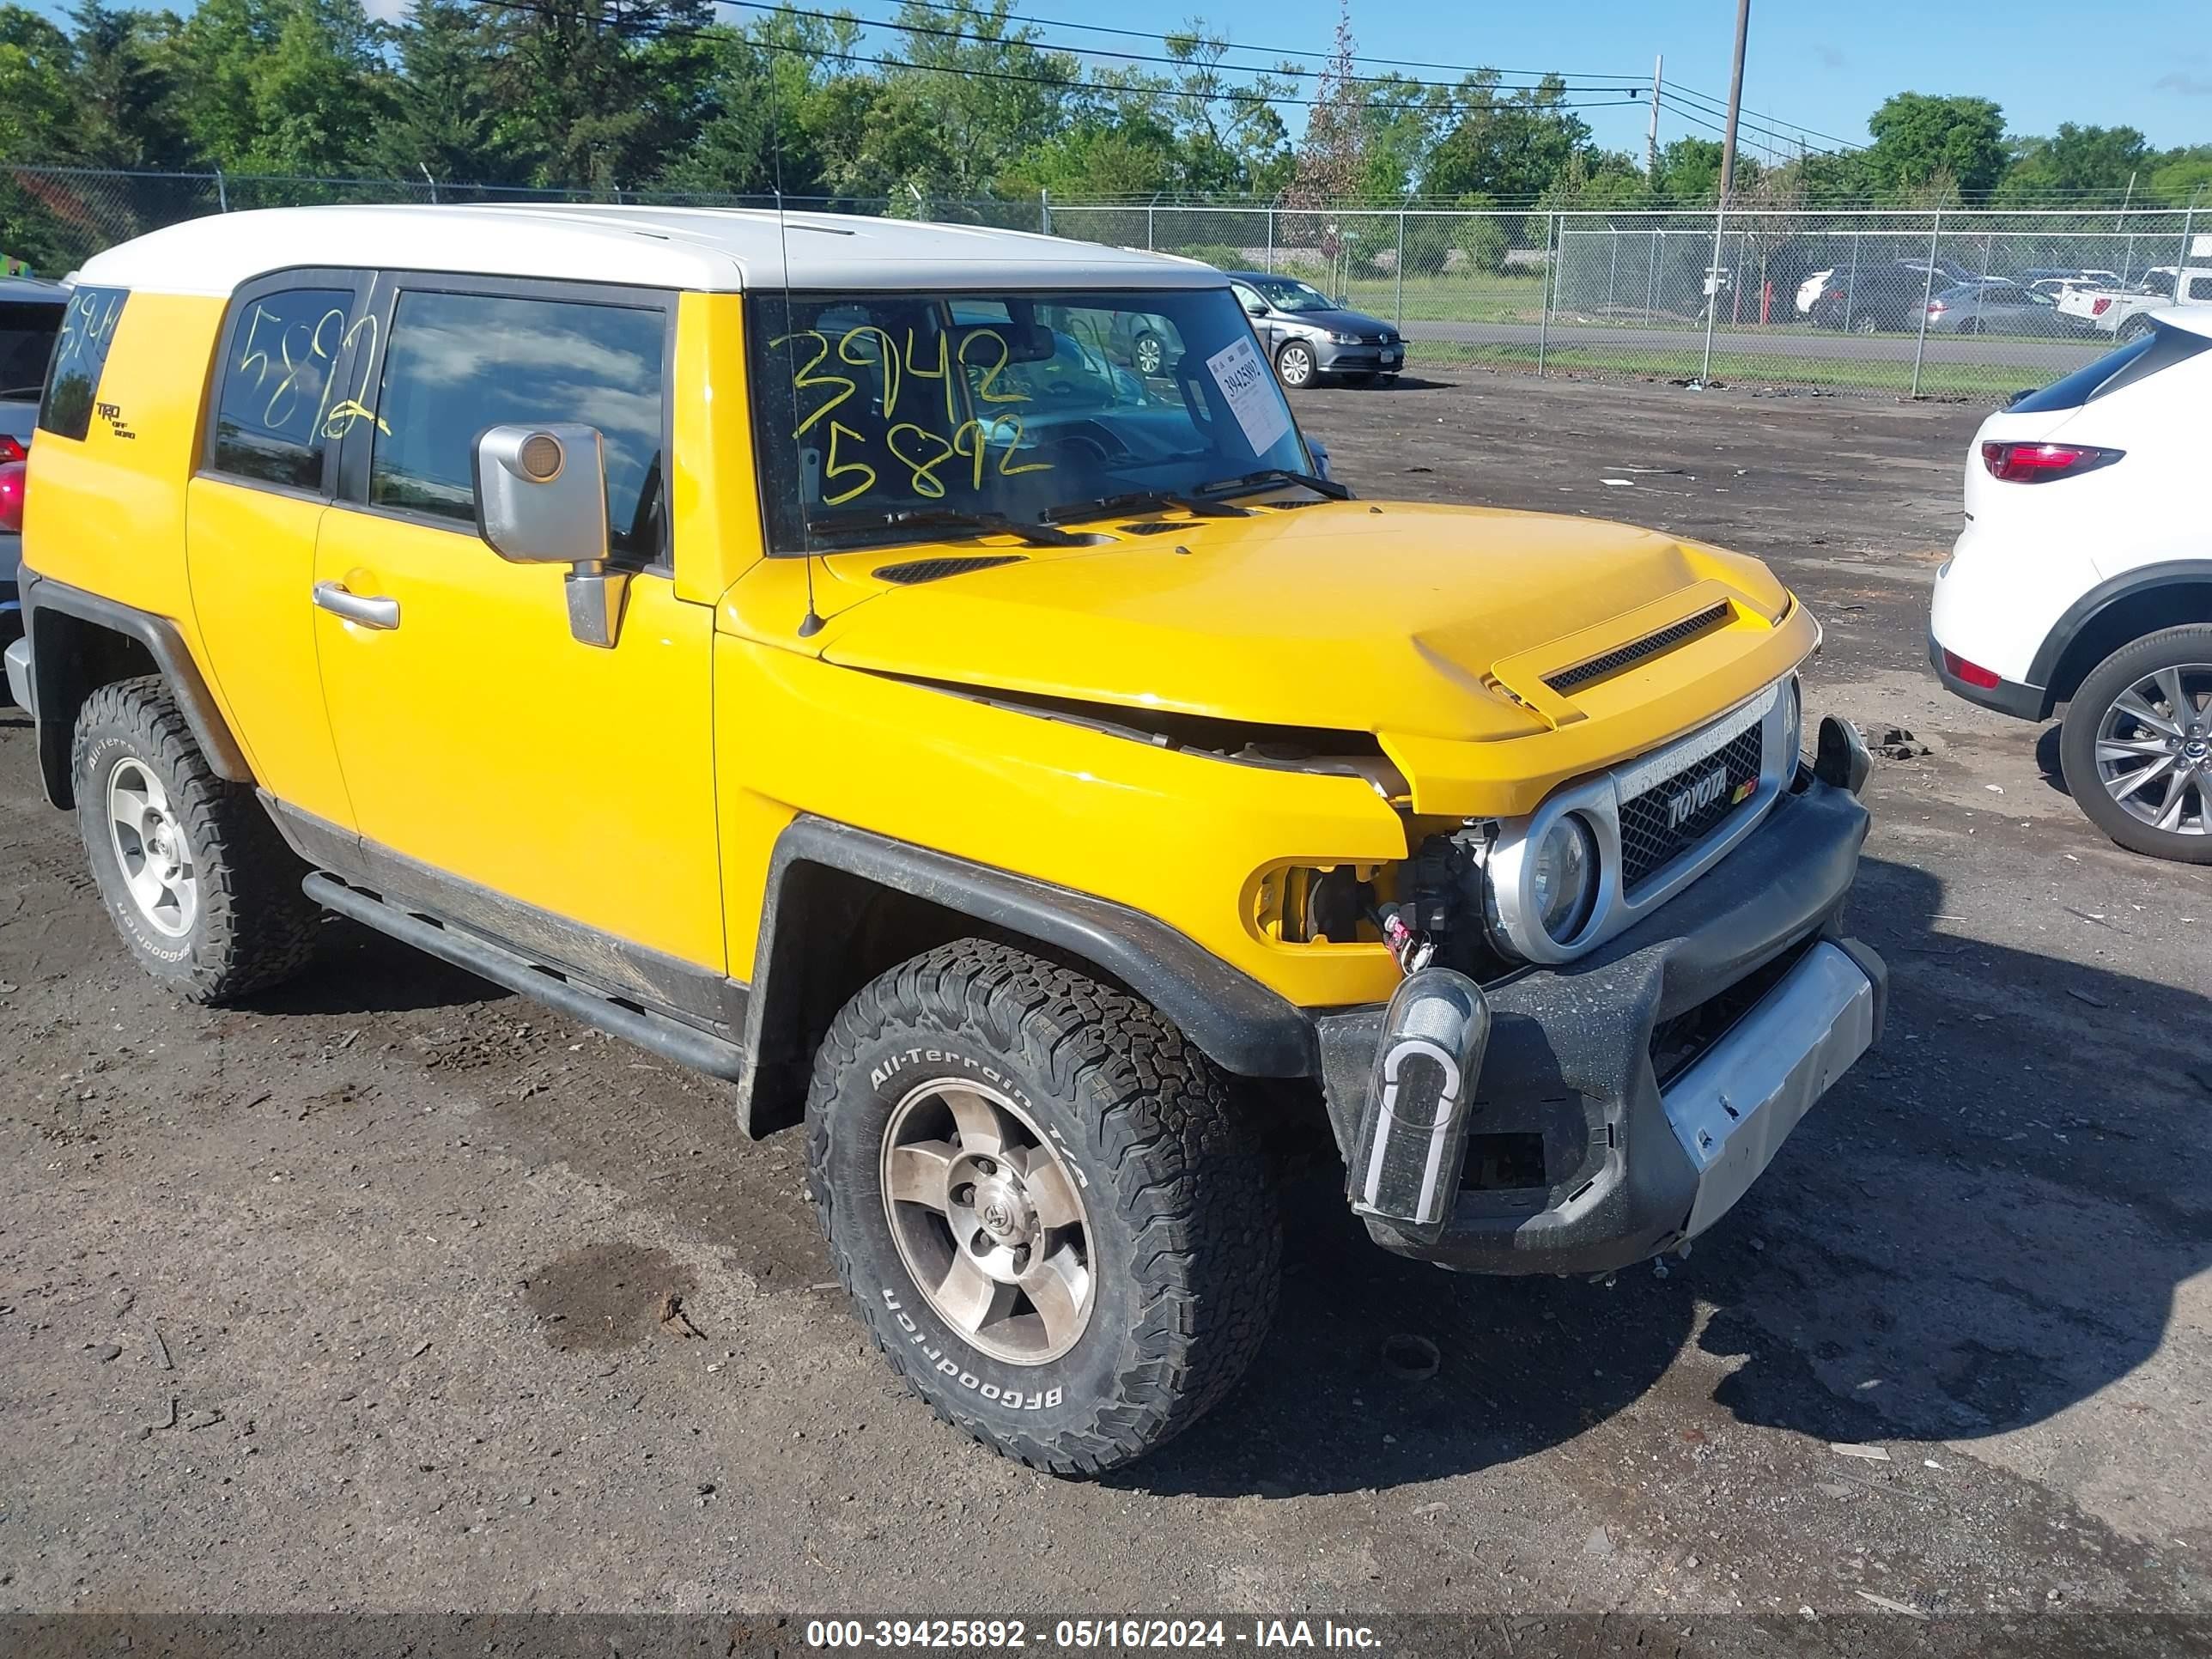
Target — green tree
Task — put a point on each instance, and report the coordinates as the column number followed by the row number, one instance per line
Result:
column 600, row 94
column 280, row 86
column 443, row 116
column 126, row 115
column 1512, row 148
column 2075, row 161
column 38, row 99
column 1689, row 172
column 1925, row 143
column 2182, row 176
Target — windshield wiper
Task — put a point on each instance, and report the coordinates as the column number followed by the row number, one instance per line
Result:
column 1267, row 474
column 1138, row 501
column 952, row 517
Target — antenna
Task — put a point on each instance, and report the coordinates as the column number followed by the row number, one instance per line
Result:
column 809, row 624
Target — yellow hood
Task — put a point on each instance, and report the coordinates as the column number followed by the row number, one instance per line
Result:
column 1433, row 628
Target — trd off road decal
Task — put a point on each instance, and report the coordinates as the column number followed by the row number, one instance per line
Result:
column 1042, row 1399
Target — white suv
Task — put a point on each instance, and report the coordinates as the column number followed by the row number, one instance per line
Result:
column 2084, row 577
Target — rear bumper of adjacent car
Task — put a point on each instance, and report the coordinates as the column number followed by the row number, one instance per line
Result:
column 1627, row 1100
column 2014, row 697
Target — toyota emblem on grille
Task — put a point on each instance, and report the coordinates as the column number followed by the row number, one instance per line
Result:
column 1684, row 804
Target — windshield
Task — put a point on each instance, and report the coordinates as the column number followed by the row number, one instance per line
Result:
column 1287, row 294
column 881, row 416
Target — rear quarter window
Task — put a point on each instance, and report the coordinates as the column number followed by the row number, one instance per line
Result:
column 80, row 354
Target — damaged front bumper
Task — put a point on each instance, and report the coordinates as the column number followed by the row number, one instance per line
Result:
column 1626, row 1100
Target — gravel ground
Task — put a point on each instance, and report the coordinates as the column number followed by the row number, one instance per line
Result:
column 350, row 1299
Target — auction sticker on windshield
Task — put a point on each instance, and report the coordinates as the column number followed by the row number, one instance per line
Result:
column 1242, row 376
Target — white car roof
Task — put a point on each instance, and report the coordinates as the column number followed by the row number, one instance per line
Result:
column 713, row 250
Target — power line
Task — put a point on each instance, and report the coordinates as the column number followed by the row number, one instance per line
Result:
column 1227, row 94
column 1782, row 126
column 1783, row 122
column 776, row 8
column 1289, row 51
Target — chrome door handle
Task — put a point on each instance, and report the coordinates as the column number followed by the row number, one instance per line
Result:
column 369, row 613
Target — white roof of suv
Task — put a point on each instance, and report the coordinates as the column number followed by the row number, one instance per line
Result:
column 708, row 249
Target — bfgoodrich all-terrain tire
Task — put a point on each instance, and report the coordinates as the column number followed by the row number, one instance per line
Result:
column 201, row 886
column 1042, row 1203
column 2137, row 746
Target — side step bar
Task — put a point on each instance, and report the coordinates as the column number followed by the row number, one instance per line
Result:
column 671, row 1039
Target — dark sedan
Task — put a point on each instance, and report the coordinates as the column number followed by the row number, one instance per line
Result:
column 1306, row 335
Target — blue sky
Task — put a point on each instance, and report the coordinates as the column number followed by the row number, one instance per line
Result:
column 1823, row 65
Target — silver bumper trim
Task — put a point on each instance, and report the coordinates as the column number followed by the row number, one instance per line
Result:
column 1734, row 1108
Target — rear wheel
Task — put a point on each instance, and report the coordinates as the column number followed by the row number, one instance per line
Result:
column 1865, row 324
column 202, row 888
column 2135, row 327
column 1044, row 1205
column 1294, row 364
column 1151, row 353
column 2137, row 745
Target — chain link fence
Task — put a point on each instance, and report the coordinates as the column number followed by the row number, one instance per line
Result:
column 1935, row 302
column 1938, row 302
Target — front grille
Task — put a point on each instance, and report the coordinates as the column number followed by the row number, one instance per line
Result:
column 930, row 571
column 1636, row 651
column 1652, row 835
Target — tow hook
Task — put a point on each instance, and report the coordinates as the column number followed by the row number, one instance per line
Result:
column 1405, row 1166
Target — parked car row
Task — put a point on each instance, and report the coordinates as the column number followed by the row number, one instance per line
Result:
column 1891, row 296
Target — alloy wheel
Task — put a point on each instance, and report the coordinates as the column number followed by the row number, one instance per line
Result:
column 151, row 849
column 2154, row 749
column 988, row 1221
column 1296, row 365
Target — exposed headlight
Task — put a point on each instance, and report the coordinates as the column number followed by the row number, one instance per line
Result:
column 1344, row 339
column 1565, row 878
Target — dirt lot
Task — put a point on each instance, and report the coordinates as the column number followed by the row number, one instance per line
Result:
column 348, row 1299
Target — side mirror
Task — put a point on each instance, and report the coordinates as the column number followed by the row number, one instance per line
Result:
column 541, row 499
column 1255, row 309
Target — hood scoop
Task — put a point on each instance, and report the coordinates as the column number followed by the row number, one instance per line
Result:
column 1596, row 668
column 915, row 571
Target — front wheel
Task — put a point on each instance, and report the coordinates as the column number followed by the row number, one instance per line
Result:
column 1042, row 1203
column 2137, row 746
column 1295, row 365
column 1151, row 354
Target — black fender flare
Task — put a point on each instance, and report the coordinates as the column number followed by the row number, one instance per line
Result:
column 56, row 681
column 1239, row 1024
column 2079, row 616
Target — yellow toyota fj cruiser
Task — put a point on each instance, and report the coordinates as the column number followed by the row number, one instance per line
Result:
column 820, row 651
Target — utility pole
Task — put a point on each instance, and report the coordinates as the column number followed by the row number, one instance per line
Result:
column 1651, row 140
column 1736, row 98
